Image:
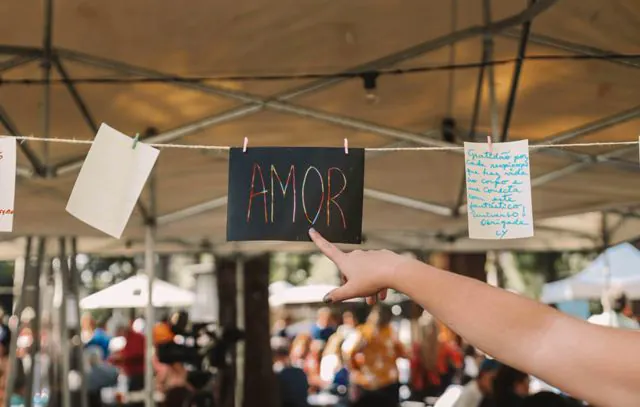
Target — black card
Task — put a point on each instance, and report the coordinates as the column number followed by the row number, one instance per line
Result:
column 279, row 193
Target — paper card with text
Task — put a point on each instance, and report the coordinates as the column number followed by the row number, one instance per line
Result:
column 498, row 190
column 111, row 181
column 7, row 182
column 278, row 193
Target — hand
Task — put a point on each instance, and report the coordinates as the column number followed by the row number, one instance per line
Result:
column 365, row 274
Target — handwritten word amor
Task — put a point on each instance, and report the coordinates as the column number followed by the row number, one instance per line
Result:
column 328, row 197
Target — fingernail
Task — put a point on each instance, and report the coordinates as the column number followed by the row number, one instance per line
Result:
column 327, row 298
column 312, row 231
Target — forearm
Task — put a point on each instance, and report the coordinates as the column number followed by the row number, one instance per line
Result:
column 485, row 316
column 527, row 335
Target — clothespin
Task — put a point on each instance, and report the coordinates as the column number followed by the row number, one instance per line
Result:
column 346, row 146
column 135, row 141
column 244, row 145
column 490, row 143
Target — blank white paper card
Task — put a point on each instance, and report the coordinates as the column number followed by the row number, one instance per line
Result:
column 111, row 181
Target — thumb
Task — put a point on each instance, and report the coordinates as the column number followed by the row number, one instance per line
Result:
column 342, row 293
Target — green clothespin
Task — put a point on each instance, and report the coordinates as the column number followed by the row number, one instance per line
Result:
column 135, row 140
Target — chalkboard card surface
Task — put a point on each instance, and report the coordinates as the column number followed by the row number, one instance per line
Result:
column 278, row 193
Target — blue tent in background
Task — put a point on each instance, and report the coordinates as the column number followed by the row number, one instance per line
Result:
column 618, row 266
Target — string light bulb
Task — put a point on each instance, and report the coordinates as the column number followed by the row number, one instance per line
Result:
column 370, row 80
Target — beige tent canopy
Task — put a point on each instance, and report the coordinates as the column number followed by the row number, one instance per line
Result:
column 411, row 197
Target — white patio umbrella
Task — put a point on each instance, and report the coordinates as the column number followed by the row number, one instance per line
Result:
column 132, row 293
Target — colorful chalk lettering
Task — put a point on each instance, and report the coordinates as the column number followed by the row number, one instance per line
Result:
column 324, row 183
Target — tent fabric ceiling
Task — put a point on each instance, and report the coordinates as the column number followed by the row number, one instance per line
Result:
column 572, row 101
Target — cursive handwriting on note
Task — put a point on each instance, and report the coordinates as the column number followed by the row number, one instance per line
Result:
column 498, row 190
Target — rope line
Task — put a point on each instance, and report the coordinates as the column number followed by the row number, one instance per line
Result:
column 385, row 149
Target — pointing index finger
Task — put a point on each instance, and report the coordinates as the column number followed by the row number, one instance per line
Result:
column 326, row 247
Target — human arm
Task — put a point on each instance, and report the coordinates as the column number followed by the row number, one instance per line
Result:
column 590, row 362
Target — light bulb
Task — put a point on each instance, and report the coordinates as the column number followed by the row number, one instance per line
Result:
column 372, row 97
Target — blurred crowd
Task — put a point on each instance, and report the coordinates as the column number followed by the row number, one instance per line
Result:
column 360, row 364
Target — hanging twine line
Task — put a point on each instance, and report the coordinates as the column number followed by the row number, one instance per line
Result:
column 385, row 149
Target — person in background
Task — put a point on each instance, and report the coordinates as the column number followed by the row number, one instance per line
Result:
column 614, row 304
column 472, row 361
column 99, row 337
column 292, row 382
column 5, row 343
column 163, row 340
column 372, row 352
column 510, row 387
column 331, row 361
column 100, row 375
column 348, row 325
column 20, row 388
column 322, row 329
column 480, row 388
column 281, row 327
column 312, row 365
column 131, row 357
column 300, row 349
column 425, row 381
column 450, row 357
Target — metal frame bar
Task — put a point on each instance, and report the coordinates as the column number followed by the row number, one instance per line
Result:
column 17, row 313
column 592, row 127
column 407, row 202
column 149, row 267
column 491, row 77
column 33, row 288
column 515, row 80
column 575, row 167
column 47, row 52
column 193, row 210
column 78, row 350
column 551, row 42
column 65, row 342
column 75, row 95
column 16, row 62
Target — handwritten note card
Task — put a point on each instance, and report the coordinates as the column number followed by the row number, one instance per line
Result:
column 498, row 190
column 111, row 181
column 7, row 182
column 279, row 193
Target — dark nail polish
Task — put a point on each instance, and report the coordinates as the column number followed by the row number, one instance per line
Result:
column 327, row 299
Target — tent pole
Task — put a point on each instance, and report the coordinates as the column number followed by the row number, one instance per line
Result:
column 47, row 49
column 149, row 265
column 14, row 323
column 63, row 272
column 240, row 323
column 74, row 281
column 32, row 281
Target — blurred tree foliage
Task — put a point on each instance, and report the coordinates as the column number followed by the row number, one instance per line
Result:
column 539, row 268
column 97, row 273
column 292, row 268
